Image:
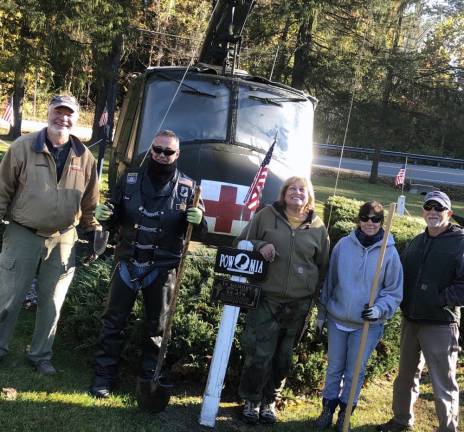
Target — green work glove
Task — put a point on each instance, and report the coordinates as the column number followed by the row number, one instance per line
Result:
column 103, row 212
column 194, row 215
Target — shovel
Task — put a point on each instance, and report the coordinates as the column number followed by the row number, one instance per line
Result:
column 152, row 396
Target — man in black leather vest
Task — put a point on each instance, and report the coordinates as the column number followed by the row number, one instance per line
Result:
column 151, row 207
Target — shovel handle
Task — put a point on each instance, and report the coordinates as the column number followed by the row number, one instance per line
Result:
column 175, row 294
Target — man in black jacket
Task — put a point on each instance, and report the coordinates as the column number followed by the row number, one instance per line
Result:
column 151, row 208
column 433, row 292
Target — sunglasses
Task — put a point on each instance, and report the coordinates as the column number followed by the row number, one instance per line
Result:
column 437, row 207
column 165, row 151
column 374, row 219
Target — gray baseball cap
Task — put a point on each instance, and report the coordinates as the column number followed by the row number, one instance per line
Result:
column 66, row 101
column 440, row 197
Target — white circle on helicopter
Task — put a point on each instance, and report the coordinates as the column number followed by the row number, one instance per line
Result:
column 241, row 261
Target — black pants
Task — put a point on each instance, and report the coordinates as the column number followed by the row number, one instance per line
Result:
column 156, row 297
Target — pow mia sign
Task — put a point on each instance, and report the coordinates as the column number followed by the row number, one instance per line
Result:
column 239, row 262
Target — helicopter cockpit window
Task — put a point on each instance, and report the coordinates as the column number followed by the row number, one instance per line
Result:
column 262, row 112
column 199, row 111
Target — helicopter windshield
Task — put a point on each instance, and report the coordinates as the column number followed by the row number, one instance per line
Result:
column 199, row 111
column 263, row 111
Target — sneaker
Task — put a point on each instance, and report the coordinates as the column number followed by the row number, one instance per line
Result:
column 393, row 426
column 100, row 392
column 267, row 414
column 101, row 387
column 44, row 367
column 251, row 411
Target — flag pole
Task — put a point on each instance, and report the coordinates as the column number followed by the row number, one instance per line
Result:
column 405, row 171
column 255, row 187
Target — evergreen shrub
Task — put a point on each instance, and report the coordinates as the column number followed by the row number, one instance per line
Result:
column 197, row 320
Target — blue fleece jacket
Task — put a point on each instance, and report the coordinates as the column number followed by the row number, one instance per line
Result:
column 348, row 282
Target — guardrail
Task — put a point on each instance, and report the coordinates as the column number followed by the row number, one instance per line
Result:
column 413, row 158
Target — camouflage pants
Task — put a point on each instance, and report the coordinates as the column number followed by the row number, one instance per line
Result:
column 268, row 341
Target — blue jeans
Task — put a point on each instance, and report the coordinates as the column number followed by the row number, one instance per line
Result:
column 342, row 353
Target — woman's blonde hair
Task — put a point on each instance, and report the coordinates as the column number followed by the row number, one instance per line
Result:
column 308, row 185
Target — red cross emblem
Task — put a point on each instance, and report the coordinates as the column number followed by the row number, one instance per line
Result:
column 226, row 210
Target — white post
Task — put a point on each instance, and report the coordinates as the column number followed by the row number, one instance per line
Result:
column 401, row 205
column 217, row 370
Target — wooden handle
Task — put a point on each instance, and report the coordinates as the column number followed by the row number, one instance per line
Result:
column 175, row 294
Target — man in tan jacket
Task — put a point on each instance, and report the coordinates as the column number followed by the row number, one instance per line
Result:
column 48, row 185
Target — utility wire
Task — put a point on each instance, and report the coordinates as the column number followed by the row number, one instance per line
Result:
column 356, row 79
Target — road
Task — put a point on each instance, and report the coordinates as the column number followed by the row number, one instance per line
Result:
column 84, row 133
column 414, row 173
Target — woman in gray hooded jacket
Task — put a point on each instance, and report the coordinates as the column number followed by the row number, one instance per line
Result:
column 343, row 304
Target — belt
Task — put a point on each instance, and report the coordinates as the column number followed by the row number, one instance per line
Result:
column 141, row 264
column 43, row 233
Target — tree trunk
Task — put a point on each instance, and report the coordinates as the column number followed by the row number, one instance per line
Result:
column 386, row 94
column 281, row 61
column 302, row 59
column 18, row 97
column 107, row 92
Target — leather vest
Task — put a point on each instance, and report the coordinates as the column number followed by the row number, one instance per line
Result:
column 153, row 221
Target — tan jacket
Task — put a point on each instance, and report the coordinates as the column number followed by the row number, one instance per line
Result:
column 302, row 255
column 30, row 194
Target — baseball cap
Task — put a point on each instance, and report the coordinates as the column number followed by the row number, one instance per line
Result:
column 440, row 197
column 66, row 101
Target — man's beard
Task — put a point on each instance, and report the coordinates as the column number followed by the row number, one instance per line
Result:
column 61, row 133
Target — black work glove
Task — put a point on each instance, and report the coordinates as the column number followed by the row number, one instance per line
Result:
column 371, row 313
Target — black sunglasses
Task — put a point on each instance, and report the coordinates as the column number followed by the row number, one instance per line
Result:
column 437, row 207
column 165, row 151
column 374, row 219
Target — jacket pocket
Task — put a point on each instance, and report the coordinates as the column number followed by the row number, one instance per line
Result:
column 7, row 262
column 7, row 278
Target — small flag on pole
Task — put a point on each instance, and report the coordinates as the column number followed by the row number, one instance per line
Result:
column 400, row 177
column 8, row 114
column 103, row 118
column 254, row 193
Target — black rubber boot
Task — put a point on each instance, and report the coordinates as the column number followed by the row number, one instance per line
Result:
column 325, row 418
column 341, row 417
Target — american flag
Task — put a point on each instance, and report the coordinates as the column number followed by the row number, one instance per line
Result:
column 103, row 118
column 8, row 115
column 400, row 177
column 253, row 195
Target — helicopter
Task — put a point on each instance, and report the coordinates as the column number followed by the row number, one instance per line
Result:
column 226, row 120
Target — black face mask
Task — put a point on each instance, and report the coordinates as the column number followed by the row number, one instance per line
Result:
column 160, row 173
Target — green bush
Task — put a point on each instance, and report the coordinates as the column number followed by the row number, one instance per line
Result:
column 195, row 328
column 339, row 208
column 196, row 321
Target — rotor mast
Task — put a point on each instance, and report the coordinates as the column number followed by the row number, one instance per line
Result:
column 223, row 39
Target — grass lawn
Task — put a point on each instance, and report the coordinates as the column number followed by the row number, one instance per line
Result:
column 60, row 402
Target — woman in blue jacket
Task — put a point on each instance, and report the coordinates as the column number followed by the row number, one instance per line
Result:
column 343, row 303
